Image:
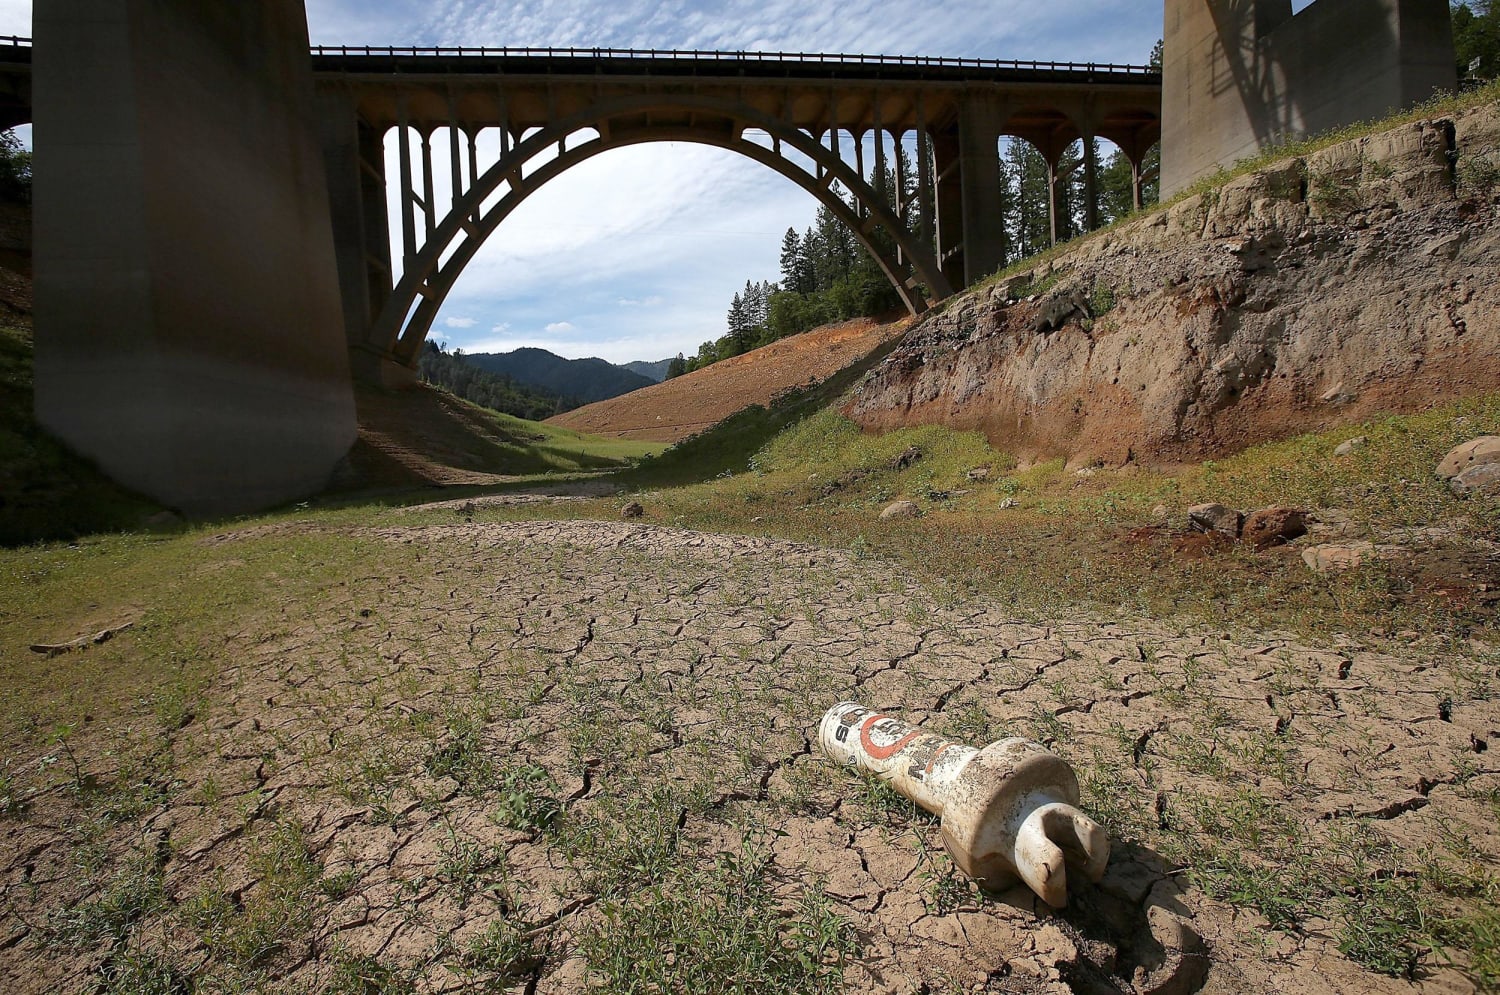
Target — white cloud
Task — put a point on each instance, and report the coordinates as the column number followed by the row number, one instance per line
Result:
column 501, row 328
column 655, row 300
column 560, row 328
column 460, row 322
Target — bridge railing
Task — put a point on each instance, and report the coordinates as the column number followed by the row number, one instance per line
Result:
column 720, row 56
column 701, row 55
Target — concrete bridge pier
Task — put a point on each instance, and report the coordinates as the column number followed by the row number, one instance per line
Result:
column 971, row 241
column 187, row 302
column 354, row 159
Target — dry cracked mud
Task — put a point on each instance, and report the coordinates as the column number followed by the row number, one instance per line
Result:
column 539, row 755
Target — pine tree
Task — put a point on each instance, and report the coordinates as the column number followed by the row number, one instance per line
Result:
column 793, row 263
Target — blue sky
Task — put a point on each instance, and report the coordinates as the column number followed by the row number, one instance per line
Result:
column 636, row 253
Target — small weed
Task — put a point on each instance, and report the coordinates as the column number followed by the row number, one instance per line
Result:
column 504, row 952
column 368, row 976
column 142, row 972
column 463, row 757
column 469, row 868
column 525, row 802
column 13, row 801
column 130, row 896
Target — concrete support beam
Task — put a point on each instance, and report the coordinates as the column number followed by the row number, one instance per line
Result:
column 1090, row 183
column 950, row 205
column 354, row 160
column 1241, row 75
column 980, row 118
column 188, row 320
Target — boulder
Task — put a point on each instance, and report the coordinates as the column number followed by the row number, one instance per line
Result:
column 1214, row 518
column 1349, row 445
column 632, row 510
column 900, row 509
column 978, row 474
column 1335, row 557
column 1274, row 526
column 1475, row 452
column 1482, row 479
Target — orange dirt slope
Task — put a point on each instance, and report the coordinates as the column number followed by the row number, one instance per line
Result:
column 678, row 408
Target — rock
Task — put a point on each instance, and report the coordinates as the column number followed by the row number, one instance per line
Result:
column 1214, row 518
column 1160, row 512
column 1349, row 445
column 978, row 474
column 1475, row 452
column 1335, row 557
column 1274, row 526
column 1483, row 479
column 1336, row 395
column 632, row 510
column 907, row 457
column 1008, row 503
column 1056, row 310
column 900, row 509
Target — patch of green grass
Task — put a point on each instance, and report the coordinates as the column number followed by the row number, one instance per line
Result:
column 728, row 446
column 719, row 929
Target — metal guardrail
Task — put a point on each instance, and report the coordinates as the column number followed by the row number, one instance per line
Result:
column 730, row 57
column 464, row 51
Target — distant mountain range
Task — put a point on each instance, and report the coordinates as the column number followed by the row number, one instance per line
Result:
column 656, row 371
column 583, row 380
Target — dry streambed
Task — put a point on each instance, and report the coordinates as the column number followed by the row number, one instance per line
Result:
column 549, row 755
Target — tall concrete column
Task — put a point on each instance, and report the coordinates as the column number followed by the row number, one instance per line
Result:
column 979, row 121
column 1090, row 183
column 947, row 182
column 189, row 331
column 1241, row 75
column 354, row 158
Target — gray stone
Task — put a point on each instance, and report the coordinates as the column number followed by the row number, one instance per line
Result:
column 1349, row 445
column 900, row 509
column 1214, row 518
column 1482, row 479
column 632, row 510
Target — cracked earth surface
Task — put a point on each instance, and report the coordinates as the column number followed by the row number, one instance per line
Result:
column 660, row 687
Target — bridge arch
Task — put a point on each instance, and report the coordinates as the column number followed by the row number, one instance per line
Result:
column 429, row 274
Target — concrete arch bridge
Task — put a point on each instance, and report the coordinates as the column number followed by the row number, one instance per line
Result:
column 808, row 117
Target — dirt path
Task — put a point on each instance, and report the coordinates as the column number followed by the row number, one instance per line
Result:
column 479, row 764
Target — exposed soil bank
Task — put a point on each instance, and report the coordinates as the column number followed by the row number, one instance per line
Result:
column 1320, row 290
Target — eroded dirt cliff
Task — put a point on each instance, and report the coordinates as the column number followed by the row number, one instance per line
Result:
column 1360, row 278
